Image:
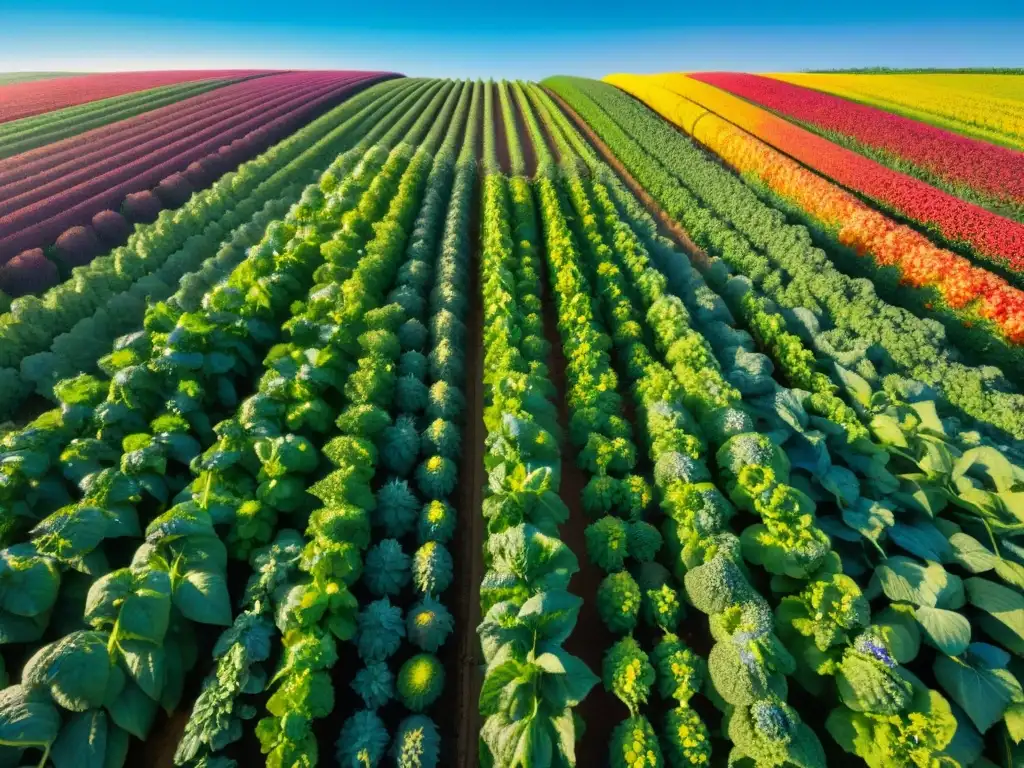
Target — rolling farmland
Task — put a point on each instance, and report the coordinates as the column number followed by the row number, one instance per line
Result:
column 375, row 420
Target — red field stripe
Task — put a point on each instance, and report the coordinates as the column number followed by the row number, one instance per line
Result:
column 32, row 98
column 989, row 168
column 67, row 210
column 137, row 129
column 988, row 234
column 37, row 187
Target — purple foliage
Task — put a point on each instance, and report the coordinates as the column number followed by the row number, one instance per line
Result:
column 111, row 227
column 28, row 272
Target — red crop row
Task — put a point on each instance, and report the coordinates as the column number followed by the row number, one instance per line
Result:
column 42, row 222
column 32, row 98
column 996, row 171
column 163, row 141
column 986, row 233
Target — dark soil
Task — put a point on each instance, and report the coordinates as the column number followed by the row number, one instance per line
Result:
column 529, row 151
column 501, row 137
column 463, row 658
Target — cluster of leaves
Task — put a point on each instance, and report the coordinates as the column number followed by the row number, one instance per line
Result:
column 356, row 325
column 38, row 333
column 531, row 684
column 628, row 671
column 727, row 218
column 837, row 596
column 418, row 451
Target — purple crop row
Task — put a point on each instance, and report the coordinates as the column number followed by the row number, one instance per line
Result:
column 162, row 140
column 97, row 143
column 39, row 224
column 50, row 161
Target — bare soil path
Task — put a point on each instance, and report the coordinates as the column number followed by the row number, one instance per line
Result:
column 500, row 135
column 469, row 567
column 529, row 151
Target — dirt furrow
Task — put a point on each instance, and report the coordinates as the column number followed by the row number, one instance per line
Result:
column 468, row 554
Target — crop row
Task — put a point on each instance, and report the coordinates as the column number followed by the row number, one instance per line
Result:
column 21, row 100
column 19, row 136
column 39, row 331
column 988, row 236
column 990, row 174
column 870, row 599
column 245, row 130
column 245, row 477
column 983, row 106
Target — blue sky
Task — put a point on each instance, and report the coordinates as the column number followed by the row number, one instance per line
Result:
column 509, row 38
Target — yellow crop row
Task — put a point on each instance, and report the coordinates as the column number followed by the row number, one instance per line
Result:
column 989, row 107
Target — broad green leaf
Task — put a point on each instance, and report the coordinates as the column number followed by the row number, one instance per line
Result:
column 552, row 615
column 72, row 531
column 925, row 410
column 76, row 669
column 1005, row 609
column 146, row 664
column 203, row 596
column 146, row 611
column 841, row 483
column 21, row 629
column 103, row 602
column 983, row 691
column 1014, row 717
column 493, row 688
column 569, row 687
column 857, row 386
column 951, row 596
column 548, row 510
column 888, row 430
column 550, row 663
column 935, row 459
column 533, row 747
column 133, row 710
column 986, row 463
column 30, row 582
column 971, row 554
column 948, row 631
column 542, row 561
column 919, row 493
column 1010, row 572
column 82, row 742
column 904, row 580
column 27, row 717
column 869, row 518
column 923, row 539
column 563, row 726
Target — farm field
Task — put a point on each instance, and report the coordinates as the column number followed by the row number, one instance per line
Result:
column 361, row 419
